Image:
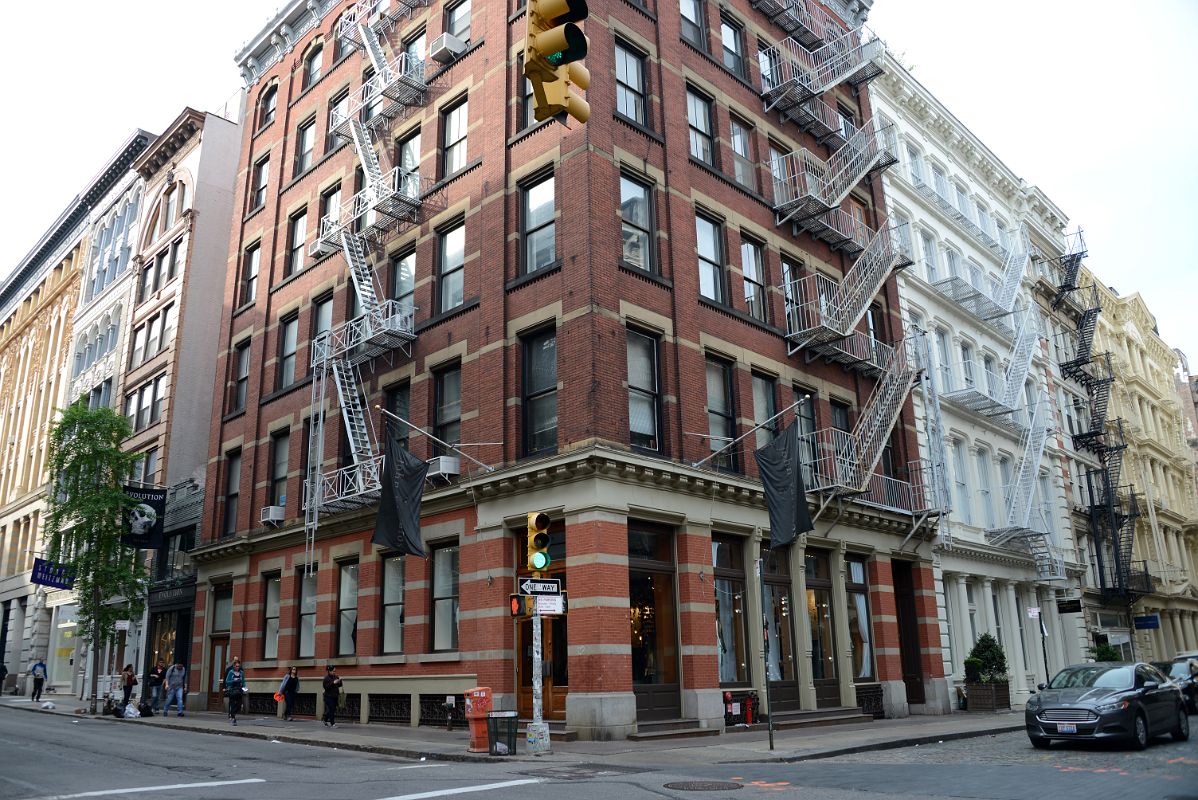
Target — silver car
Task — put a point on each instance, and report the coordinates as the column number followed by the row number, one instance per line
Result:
column 1107, row 700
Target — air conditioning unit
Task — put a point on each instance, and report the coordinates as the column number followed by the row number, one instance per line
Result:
column 318, row 249
column 444, row 467
column 273, row 515
column 446, row 48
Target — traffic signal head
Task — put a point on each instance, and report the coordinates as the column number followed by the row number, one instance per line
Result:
column 553, row 46
column 538, row 540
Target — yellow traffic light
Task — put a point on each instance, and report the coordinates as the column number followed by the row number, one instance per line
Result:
column 553, row 47
column 538, row 540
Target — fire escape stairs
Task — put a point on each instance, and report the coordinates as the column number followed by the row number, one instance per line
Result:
column 1023, row 489
column 793, row 74
column 1071, row 264
column 988, row 397
column 1087, row 323
column 807, row 23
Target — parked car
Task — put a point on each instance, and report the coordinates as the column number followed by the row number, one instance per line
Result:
column 1107, row 700
column 1184, row 672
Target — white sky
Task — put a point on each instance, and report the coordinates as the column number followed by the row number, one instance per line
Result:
column 1091, row 100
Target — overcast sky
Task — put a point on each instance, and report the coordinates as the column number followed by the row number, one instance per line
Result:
column 1091, row 100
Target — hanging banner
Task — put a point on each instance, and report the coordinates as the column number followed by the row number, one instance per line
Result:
column 47, row 573
column 145, row 521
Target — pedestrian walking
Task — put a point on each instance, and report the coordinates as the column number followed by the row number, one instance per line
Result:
column 154, row 681
column 128, row 681
column 38, row 671
column 3, row 675
column 289, row 688
column 235, row 689
column 176, row 687
column 332, row 693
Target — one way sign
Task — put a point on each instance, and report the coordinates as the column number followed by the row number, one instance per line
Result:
column 541, row 586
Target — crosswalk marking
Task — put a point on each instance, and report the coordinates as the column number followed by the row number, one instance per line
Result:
column 462, row 790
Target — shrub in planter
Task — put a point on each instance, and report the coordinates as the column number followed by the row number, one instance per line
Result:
column 992, row 662
column 973, row 670
column 986, row 676
column 1104, row 652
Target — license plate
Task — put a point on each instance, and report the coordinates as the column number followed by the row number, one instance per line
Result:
column 1066, row 727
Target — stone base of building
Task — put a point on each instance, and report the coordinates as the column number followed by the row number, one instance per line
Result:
column 705, row 705
column 894, row 699
column 601, row 716
column 938, row 698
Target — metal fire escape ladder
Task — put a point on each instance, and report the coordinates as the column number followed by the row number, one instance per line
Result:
column 881, row 411
column 796, row 74
column 346, row 379
column 1023, row 488
column 1021, row 357
column 1071, row 264
column 1087, row 323
column 1013, row 270
column 1098, row 377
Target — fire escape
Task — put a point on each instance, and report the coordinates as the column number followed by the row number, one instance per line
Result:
column 390, row 201
column 984, row 392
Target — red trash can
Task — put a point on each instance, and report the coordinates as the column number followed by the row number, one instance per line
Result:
column 478, row 705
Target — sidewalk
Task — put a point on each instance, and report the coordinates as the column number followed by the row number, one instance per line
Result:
column 440, row 745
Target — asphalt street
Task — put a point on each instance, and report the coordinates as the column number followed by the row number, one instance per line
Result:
column 45, row 757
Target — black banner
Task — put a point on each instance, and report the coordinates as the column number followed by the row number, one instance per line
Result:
column 782, row 478
column 144, row 523
column 398, row 523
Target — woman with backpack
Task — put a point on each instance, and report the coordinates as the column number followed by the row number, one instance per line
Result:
column 289, row 688
column 235, row 689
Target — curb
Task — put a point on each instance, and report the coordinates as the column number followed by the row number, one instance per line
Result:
column 384, row 750
column 896, row 744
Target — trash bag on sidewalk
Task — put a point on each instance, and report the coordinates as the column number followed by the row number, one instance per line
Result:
column 131, row 711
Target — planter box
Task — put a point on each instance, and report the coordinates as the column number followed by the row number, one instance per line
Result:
column 989, row 696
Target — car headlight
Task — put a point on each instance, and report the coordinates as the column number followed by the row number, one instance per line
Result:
column 1033, row 703
column 1107, row 708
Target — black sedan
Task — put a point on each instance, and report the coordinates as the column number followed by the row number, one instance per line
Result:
column 1183, row 672
column 1107, row 700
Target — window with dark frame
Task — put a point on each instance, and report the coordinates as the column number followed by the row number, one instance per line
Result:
column 805, row 417
column 644, row 392
column 698, row 119
column 457, row 20
column 306, row 640
column 305, row 145
column 528, row 109
column 347, row 609
column 744, row 168
column 447, row 404
column 398, row 401
column 860, row 632
column 753, row 270
column 636, row 223
column 261, row 180
column 721, row 413
column 288, row 343
column 445, row 597
column 393, row 604
column 451, row 275
column 272, row 586
column 693, row 23
column 840, row 415
column 232, row 491
column 267, row 106
column 330, row 206
column 539, row 399
column 407, row 158
column 537, row 221
column 280, row 447
column 250, row 263
column 313, row 63
column 241, row 375
column 297, row 234
column 454, row 121
column 371, row 109
column 732, row 37
column 728, row 582
column 710, row 245
column 630, row 84
column 765, row 407
column 338, row 111
column 403, row 281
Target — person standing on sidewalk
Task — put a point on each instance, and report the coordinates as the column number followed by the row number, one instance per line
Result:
column 128, row 681
column 176, row 686
column 154, row 681
column 289, row 688
column 235, row 689
column 38, row 671
column 332, row 693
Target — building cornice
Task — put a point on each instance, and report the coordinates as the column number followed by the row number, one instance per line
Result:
column 164, row 149
column 280, row 36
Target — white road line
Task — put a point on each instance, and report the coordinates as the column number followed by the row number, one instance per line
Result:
column 138, row 789
column 417, row 766
column 463, row 790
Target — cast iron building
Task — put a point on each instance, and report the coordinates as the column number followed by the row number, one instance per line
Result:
column 591, row 314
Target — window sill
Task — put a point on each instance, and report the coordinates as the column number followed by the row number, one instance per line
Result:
column 253, row 213
column 651, row 277
column 740, row 315
column 721, row 66
column 436, row 658
column 243, row 308
column 232, row 415
column 288, row 389
column 638, row 127
column 448, row 179
column 740, row 187
column 471, row 47
column 523, row 134
column 431, row 322
column 263, row 129
column 531, row 277
column 642, row 10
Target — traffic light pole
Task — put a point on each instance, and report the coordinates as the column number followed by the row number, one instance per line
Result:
column 537, row 738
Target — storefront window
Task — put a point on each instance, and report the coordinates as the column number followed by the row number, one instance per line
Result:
column 819, row 611
column 729, row 571
column 779, row 624
column 860, row 634
column 651, row 606
column 62, row 653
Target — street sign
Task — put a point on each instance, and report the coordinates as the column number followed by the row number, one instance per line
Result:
column 1072, row 606
column 550, row 586
column 551, row 604
column 122, row 625
column 1147, row 622
column 1033, row 612
column 525, row 605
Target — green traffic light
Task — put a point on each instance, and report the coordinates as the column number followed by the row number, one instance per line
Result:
column 540, row 560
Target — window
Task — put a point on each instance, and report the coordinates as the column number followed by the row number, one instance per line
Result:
column 414, row 50
column 710, row 245
column 644, row 396
column 540, row 392
column 847, row 122
column 347, row 610
column 307, row 616
column 940, row 182
column 398, row 401
column 403, row 282
column 445, row 598
column 768, row 64
column 692, row 23
column 457, row 20
column 305, row 143
column 330, row 206
column 248, row 289
column 539, row 230
column 267, row 106
column 930, row 258
column 744, row 170
column 734, row 46
column 765, row 407
column 408, row 161
column 145, row 468
column 453, row 261
column 232, row 490
column 312, row 66
column 261, row 179
column 985, row 221
column 953, row 259
column 721, row 416
column 967, row 364
column 960, row 470
column 728, row 581
column 372, row 108
column 288, row 341
column 754, row 274
column 840, row 415
column 448, row 407
column 279, row 452
column 338, row 111
column 178, row 254
column 139, row 347
column 984, row 491
column 962, row 200
column 528, row 116
column 393, row 589
column 805, row 417
column 630, row 84
column 636, row 222
column 780, row 174
column 143, row 406
column 860, row 638
column 915, row 164
column 270, row 642
column 241, row 379
column 698, row 118
column 453, row 145
column 297, row 225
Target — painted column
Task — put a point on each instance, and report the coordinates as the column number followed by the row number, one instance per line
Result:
column 798, row 572
column 1015, row 660
column 962, row 638
column 985, row 607
column 1179, row 638
column 751, row 551
column 1056, row 652
column 886, row 636
column 1190, row 621
column 840, row 617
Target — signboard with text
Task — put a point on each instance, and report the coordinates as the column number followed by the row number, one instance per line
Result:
column 47, row 573
column 1146, row 622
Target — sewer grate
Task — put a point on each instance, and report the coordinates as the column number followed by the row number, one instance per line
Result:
column 703, row 786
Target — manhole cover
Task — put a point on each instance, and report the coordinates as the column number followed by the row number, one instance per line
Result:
column 703, row 786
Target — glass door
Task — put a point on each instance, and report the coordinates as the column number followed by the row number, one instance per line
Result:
column 652, row 622
column 779, row 632
column 823, row 641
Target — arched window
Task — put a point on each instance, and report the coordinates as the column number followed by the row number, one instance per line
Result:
column 267, row 106
column 343, row 39
column 312, row 65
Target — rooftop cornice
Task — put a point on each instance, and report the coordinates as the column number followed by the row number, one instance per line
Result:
column 280, row 36
column 163, row 149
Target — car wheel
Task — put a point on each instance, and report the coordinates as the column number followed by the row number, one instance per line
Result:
column 1181, row 733
column 1139, row 739
column 1041, row 744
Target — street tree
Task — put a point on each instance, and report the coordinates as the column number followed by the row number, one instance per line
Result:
column 86, row 519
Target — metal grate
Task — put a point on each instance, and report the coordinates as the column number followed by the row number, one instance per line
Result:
column 391, row 708
column 432, row 710
column 869, row 699
column 1068, row 715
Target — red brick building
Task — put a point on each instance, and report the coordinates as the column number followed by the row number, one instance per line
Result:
column 589, row 313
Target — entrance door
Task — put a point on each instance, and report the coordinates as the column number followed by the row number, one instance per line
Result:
column 555, row 677
column 823, row 639
column 779, row 632
column 652, row 617
column 908, row 625
column 218, row 656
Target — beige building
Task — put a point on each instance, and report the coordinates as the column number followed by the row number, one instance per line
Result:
column 37, row 306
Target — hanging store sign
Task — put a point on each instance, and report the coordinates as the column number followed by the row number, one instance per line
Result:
column 1073, row 606
column 1146, row 622
column 48, row 573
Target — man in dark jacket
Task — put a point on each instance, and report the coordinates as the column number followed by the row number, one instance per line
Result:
column 332, row 693
column 154, row 680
